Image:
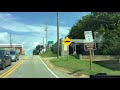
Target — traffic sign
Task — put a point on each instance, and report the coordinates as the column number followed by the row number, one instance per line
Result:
column 88, row 36
column 89, row 46
column 67, row 41
column 50, row 42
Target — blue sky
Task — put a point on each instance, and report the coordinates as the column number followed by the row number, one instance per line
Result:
column 66, row 18
column 28, row 27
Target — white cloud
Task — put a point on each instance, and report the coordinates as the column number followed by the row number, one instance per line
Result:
column 4, row 37
column 35, row 44
column 26, row 40
column 62, row 22
column 52, row 32
column 6, row 17
column 20, row 27
column 10, row 22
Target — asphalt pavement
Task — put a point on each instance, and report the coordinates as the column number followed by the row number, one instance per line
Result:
column 31, row 67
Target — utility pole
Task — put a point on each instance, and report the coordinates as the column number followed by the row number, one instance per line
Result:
column 57, row 35
column 46, row 36
column 90, row 60
column 14, row 44
column 10, row 41
column 43, row 44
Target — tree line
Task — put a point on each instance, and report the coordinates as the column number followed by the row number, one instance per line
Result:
column 106, row 24
column 37, row 49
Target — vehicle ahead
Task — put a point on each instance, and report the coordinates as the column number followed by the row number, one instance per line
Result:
column 14, row 55
column 36, row 52
column 5, row 59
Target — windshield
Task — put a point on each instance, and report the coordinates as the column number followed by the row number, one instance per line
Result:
column 82, row 43
column 12, row 52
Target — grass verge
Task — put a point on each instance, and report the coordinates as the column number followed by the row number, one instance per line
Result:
column 82, row 66
column 48, row 53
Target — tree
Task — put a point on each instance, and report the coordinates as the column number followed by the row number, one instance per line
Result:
column 106, row 23
column 37, row 50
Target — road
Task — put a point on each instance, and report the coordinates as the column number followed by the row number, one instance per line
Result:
column 31, row 67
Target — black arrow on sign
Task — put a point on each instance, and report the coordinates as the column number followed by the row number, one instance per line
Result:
column 67, row 41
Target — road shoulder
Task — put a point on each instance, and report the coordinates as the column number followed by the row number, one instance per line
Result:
column 60, row 69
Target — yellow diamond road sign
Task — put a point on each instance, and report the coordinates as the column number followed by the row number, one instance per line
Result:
column 67, row 41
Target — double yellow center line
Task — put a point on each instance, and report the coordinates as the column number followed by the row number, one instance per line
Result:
column 4, row 75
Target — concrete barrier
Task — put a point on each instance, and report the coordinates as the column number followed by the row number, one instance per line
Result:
column 101, row 57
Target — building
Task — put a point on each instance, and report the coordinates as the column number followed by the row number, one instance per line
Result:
column 18, row 47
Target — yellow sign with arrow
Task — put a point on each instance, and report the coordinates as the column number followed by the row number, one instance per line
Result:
column 67, row 41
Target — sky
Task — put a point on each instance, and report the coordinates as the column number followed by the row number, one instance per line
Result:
column 28, row 28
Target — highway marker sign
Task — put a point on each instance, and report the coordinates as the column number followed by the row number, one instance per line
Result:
column 67, row 41
column 89, row 45
column 50, row 42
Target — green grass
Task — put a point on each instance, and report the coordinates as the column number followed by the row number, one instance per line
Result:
column 48, row 53
column 82, row 66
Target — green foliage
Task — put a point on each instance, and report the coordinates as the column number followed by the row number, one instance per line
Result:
column 37, row 50
column 82, row 66
column 102, row 22
column 38, row 47
column 48, row 53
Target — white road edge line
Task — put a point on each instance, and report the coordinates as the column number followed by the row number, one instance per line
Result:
column 48, row 68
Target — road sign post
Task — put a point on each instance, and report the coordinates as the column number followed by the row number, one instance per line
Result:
column 89, row 45
column 68, row 53
column 90, row 60
column 93, row 52
column 67, row 42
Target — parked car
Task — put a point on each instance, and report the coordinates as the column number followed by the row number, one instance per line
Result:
column 5, row 59
column 14, row 55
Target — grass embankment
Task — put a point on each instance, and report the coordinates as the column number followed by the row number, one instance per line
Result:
column 82, row 66
column 48, row 53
